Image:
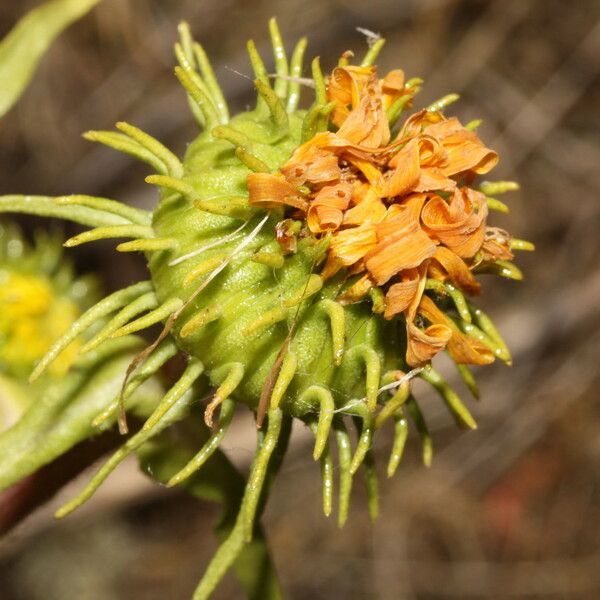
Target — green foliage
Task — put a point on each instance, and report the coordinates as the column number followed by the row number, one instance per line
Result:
column 23, row 48
column 61, row 411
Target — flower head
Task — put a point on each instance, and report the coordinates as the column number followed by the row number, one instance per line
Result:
column 304, row 261
column 398, row 209
column 40, row 298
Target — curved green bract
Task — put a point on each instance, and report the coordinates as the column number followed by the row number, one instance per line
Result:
column 45, row 206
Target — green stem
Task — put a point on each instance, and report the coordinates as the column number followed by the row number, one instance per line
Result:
column 243, row 528
column 218, row 481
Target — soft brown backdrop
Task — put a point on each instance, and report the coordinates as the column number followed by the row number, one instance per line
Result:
column 508, row 511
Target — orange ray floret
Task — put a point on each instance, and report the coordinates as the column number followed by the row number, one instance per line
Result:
column 401, row 243
column 433, row 158
column 367, row 124
column 367, row 206
column 416, row 123
column 393, row 86
column 401, row 295
column 326, row 210
column 350, row 245
column 423, row 345
column 313, row 165
column 463, row 348
column 446, row 265
column 269, row 190
column 396, row 212
column 346, row 88
column 404, row 175
column 466, row 152
column 405, row 250
column 458, row 224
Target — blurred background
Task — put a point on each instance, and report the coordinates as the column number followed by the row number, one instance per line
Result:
column 510, row 510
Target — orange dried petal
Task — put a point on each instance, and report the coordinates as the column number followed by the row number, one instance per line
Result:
column 342, row 146
column 346, row 83
column 326, row 209
column 357, row 291
column 350, row 245
column 393, row 87
column 401, row 245
column 463, row 348
column 345, row 87
column 415, row 124
column 401, row 295
column 324, row 218
column 365, row 166
column 431, row 151
column 432, row 179
column 466, row 152
column 369, row 208
column 367, row 124
column 401, row 215
column 393, row 82
column 458, row 224
column 423, row 345
column 269, row 190
column 456, row 269
column 404, row 176
column 310, row 164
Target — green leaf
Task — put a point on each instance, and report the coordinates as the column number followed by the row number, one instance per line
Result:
column 47, row 206
column 25, row 45
column 13, row 400
column 61, row 410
